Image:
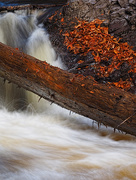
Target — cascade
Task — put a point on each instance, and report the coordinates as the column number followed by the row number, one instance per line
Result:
column 20, row 30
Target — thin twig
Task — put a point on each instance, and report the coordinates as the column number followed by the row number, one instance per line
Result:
column 126, row 119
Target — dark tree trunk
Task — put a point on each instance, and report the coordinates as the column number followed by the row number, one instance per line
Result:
column 105, row 104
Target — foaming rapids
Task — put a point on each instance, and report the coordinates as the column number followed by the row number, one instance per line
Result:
column 46, row 142
column 56, row 145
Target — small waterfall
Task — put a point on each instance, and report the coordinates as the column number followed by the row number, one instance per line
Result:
column 39, row 46
column 21, row 31
column 15, row 29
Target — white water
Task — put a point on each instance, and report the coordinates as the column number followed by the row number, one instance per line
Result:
column 21, row 32
column 53, row 144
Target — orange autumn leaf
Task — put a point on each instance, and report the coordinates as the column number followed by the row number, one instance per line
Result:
column 80, row 62
column 62, row 20
column 105, row 30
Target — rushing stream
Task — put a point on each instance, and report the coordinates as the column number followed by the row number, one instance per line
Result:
column 44, row 141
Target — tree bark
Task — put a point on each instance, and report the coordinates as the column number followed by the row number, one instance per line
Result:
column 83, row 95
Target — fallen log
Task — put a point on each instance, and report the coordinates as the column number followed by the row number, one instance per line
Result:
column 13, row 2
column 104, row 103
column 28, row 6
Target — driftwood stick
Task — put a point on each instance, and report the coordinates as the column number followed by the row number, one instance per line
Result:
column 103, row 103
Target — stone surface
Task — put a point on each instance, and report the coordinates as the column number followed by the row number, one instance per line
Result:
column 133, row 2
column 123, row 3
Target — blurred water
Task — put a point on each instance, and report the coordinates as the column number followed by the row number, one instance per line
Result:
column 55, row 146
column 21, row 31
column 46, row 142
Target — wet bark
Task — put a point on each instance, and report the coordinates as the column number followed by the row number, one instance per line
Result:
column 105, row 104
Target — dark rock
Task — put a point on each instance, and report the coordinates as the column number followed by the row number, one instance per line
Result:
column 118, row 26
column 133, row 19
column 124, row 67
column 115, row 76
column 123, row 3
column 132, row 2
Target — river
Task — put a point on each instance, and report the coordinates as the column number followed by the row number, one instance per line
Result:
column 42, row 141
